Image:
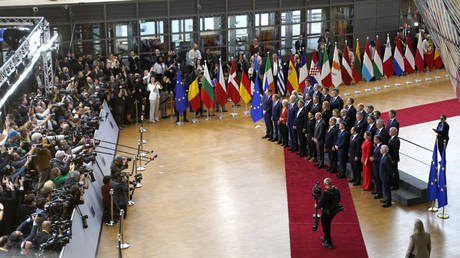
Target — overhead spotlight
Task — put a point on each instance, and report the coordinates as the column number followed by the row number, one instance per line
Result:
column 416, row 24
column 13, row 37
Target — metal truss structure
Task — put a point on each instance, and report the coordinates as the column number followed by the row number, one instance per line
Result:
column 443, row 22
column 29, row 47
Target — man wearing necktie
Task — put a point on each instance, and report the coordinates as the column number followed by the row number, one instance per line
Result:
column 276, row 113
column 341, row 145
column 267, row 111
column 385, row 170
column 393, row 144
column 392, row 121
column 318, row 138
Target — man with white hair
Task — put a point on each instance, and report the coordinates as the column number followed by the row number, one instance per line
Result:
column 386, row 170
column 61, row 161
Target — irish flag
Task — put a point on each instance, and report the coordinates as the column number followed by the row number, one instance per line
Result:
column 346, row 66
column 409, row 62
column 336, row 73
column 292, row 80
column 368, row 71
column 245, row 88
column 420, row 54
column 194, row 95
column 207, row 92
column 377, row 64
column 398, row 60
column 388, row 59
column 326, row 78
column 357, row 64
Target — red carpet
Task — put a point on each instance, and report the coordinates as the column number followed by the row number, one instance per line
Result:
column 425, row 113
column 301, row 176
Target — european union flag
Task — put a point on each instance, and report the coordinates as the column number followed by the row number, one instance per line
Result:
column 442, row 186
column 256, row 101
column 432, row 189
column 181, row 102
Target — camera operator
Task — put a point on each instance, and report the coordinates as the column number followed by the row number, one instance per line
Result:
column 120, row 186
column 120, row 95
column 329, row 202
column 76, row 179
column 42, row 159
column 119, row 164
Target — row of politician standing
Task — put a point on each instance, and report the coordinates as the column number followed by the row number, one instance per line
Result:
column 320, row 122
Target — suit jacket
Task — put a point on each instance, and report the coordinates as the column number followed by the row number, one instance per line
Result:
column 316, row 108
column 331, row 137
column 319, row 95
column 300, row 119
column 361, row 126
column 308, row 105
column 419, row 245
column 336, row 103
column 320, row 130
column 351, row 114
column 347, row 121
column 120, row 193
column 327, row 98
column 342, row 140
column 443, row 131
column 355, row 147
column 385, row 167
column 310, row 126
column 133, row 64
column 310, row 90
column 276, row 111
column 393, row 145
column 268, row 106
column 372, row 129
column 392, row 123
column 292, row 113
column 383, row 133
column 376, row 154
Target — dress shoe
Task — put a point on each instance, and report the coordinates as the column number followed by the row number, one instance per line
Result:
column 329, row 169
column 279, row 142
column 265, row 137
column 383, row 201
column 186, row 121
column 302, row 155
column 272, row 140
column 312, row 160
column 321, row 166
column 308, row 157
column 394, row 188
column 357, row 183
column 386, row 205
column 327, row 245
column 322, row 239
column 316, row 165
column 378, row 196
column 351, row 181
column 340, row 176
column 374, row 192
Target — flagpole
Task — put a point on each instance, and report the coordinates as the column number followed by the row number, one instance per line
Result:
column 195, row 120
column 234, row 106
column 443, row 215
column 221, row 116
column 246, row 112
column 397, row 84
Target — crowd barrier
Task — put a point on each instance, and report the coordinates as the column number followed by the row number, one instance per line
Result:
column 85, row 241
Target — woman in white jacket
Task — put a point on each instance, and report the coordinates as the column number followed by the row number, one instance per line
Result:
column 154, row 98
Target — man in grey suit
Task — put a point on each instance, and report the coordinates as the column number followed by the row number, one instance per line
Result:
column 318, row 138
column 386, row 171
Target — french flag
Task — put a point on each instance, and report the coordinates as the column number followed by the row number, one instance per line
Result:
column 368, row 70
column 398, row 60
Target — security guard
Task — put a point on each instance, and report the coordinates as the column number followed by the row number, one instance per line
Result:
column 329, row 202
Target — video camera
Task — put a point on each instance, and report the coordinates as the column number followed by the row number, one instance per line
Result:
column 316, row 193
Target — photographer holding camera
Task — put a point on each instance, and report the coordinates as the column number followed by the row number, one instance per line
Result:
column 329, row 202
column 119, row 164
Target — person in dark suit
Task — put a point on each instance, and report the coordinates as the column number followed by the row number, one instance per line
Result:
column 267, row 111
column 375, row 158
column 317, row 92
column 299, row 125
column 120, row 192
column 351, row 111
column 336, row 101
column 331, row 137
column 318, row 138
column 308, row 89
column 442, row 131
column 382, row 131
column 310, row 133
column 360, row 124
column 386, row 169
column 392, row 121
column 316, row 105
column 326, row 96
column 345, row 118
column 341, row 145
column 354, row 151
column 308, row 102
column 371, row 126
column 300, row 44
column 360, row 109
column 276, row 112
column 393, row 144
column 133, row 60
column 292, row 115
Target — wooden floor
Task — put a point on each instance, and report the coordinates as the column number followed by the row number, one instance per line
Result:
column 218, row 190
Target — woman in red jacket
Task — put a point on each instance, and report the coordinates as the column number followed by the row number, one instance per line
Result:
column 366, row 149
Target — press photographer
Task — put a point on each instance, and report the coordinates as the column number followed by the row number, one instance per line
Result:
column 329, row 202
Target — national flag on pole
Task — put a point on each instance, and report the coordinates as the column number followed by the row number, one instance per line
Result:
column 245, row 88
column 280, row 84
column 377, row 64
column 221, row 91
column 207, row 92
column 181, row 102
column 409, row 62
column 398, row 60
column 194, row 95
column 256, row 101
column 442, row 182
column 336, row 72
column 326, row 78
column 437, row 59
column 357, row 64
column 368, row 71
column 388, row 59
column 292, row 80
column 232, row 85
column 314, row 70
column 347, row 74
column 432, row 189
column 303, row 73
column 429, row 54
column 268, row 81
column 420, row 54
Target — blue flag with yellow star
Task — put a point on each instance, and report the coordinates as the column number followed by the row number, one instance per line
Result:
column 256, row 101
column 432, row 189
column 442, row 190
column 181, row 102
